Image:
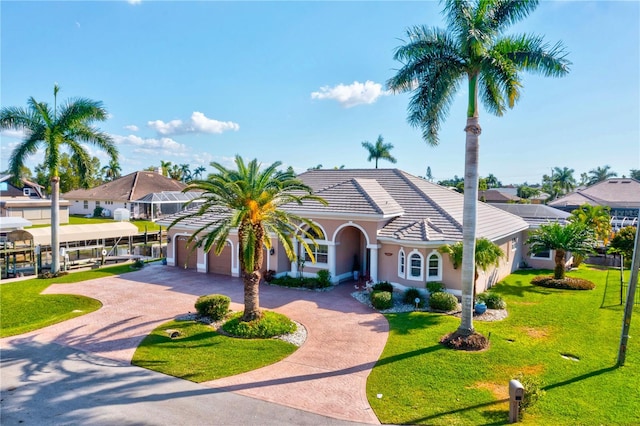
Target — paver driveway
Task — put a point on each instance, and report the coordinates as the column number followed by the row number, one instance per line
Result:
column 327, row 375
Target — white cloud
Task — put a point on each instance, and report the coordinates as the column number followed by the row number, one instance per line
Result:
column 198, row 123
column 11, row 133
column 132, row 128
column 151, row 144
column 134, row 1
column 353, row 94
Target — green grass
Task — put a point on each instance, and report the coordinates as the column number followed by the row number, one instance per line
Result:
column 421, row 382
column 201, row 354
column 24, row 309
column 81, row 220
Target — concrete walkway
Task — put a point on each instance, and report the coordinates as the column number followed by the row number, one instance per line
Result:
column 326, row 376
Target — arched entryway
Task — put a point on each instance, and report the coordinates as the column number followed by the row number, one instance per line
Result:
column 351, row 252
column 185, row 257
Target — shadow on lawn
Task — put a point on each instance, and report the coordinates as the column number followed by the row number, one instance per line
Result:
column 495, row 417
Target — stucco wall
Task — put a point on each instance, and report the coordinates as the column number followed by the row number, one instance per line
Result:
column 77, row 206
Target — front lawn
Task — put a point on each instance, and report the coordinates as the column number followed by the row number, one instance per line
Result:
column 81, row 220
column 200, row 354
column 418, row 381
column 24, row 309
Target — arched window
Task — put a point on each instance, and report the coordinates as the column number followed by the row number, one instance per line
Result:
column 402, row 264
column 434, row 267
column 415, row 267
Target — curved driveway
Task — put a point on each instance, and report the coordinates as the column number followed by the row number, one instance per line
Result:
column 326, row 376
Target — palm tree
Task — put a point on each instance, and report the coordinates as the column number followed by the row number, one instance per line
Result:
column 185, row 172
column 379, row 150
column 634, row 173
column 165, row 166
column 596, row 218
column 600, row 174
column 487, row 254
column 473, row 47
column 562, row 179
column 52, row 129
column 574, row 237
column 197, row 173
column 111, row 171
column 249, row 199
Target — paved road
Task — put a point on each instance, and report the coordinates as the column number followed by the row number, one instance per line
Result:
column 326, row 377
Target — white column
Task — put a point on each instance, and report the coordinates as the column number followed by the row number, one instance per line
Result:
column 294, row 265
column 373, row 268
column 331, row 253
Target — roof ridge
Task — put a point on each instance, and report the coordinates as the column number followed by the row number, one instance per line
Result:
column 366, row 194
column 133, row 187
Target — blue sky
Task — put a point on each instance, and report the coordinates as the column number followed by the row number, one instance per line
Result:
column 304, row 83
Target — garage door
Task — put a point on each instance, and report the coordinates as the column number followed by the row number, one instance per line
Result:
column 219, row 264
column 184, row 255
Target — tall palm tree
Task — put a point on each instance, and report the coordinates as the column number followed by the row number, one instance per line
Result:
column 185, row 172
column 197, row 173
column 574, row 237
column 250, row 199
column 112, row 170
column 563, row 179
column 634, row 173
column 379, row 150
column 165, row 166
column 600, row 174
column 487, row 254
column 596, row 218
column 473, row 48
column 53, row 129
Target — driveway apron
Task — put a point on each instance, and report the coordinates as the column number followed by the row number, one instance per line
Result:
column 326, row 375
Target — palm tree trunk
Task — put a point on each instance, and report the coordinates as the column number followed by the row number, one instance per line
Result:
column 469, row 218
column 558, row 272
column 251, row 296
column 55, row 224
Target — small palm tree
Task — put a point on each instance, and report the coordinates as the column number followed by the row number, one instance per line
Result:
column 379, row 151
column 574, row 237
column 165, row 166
column 250, row 199
column 563, row 179
column 475, row 48
column 596, row 218
column 487, row 254
column 197, row 173
column 185, row 173
column 54, row 129
column 600, row 174
column 111, row 171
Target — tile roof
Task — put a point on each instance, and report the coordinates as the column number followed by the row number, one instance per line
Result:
column 411, row 208
column 615, row 193
column 535, row 214
column 131, row 187
column 496, row 195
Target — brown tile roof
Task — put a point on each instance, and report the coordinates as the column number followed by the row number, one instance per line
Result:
column 128, row 188
column 497, row 196
column 615, row 193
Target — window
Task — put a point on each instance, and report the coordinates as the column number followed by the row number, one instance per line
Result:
column 97, row 203
column 85, row 204
column 542, row 255
column 514, row 243
column 415, row 266
column 401, row 264
column 321, row 253
column 26, row 192
column 434, row 266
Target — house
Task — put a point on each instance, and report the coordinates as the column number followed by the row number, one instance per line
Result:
column 536, row 215
column 621, row 195
column 497, row 196
column 145, row 194
column 385, row 223
column 26, row 200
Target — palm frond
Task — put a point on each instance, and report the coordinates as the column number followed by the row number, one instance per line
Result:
column 533, row 54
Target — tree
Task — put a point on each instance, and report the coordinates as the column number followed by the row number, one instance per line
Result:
column 634, row 173
column 250, row 199
column 596, row 218
column 175, row 172
column 185, row 173
column 473, row 47
column 563, row 179
column 487, row 254
column 53, row 129
column 429, row 176
column 623, row 243
column 493, row 182
column 600, row 174
column 380, row 150
column 111, row 171
column 197, row 173
column 526, row 192
column 575, row 237
column 165, row 166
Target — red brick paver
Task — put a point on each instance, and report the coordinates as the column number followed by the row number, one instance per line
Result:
column 327, row 375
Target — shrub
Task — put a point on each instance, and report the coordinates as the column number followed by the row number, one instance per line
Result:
column 269, row 275
column 97, row 212
column 138, row 263
column 435, row 287
column 566, row 283
column 214, row 306
column 383, row 286
column 532, row 390
column 271, row 324
column 441, row 301
column 381, row 299
column 492, row 300
column 301, row 282
column 410, row 296
column 324, row 278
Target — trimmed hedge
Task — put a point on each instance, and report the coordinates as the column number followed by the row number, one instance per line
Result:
column 435, row 287
column 214, row 306
column 381, row 299
column 271, row 324
column 441, row 301
column 410, row 296
column 567, row 283
column 383, row 286
column 302, row 282
column 492, row 300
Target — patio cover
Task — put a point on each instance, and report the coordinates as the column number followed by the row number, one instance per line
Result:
column 76, row 232
column 12, row 223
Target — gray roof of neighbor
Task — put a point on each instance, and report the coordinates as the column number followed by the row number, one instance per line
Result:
column 131, row 187
column 411, row 208
column 535, row 214
column 615, row 193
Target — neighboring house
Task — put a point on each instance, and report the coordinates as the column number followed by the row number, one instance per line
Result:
column 621, row 195
column 497, row 196
column 386, row 222
column 26, row 200
column 536, row 215
column 145, row 194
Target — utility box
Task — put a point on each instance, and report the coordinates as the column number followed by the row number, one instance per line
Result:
column 516, row 395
